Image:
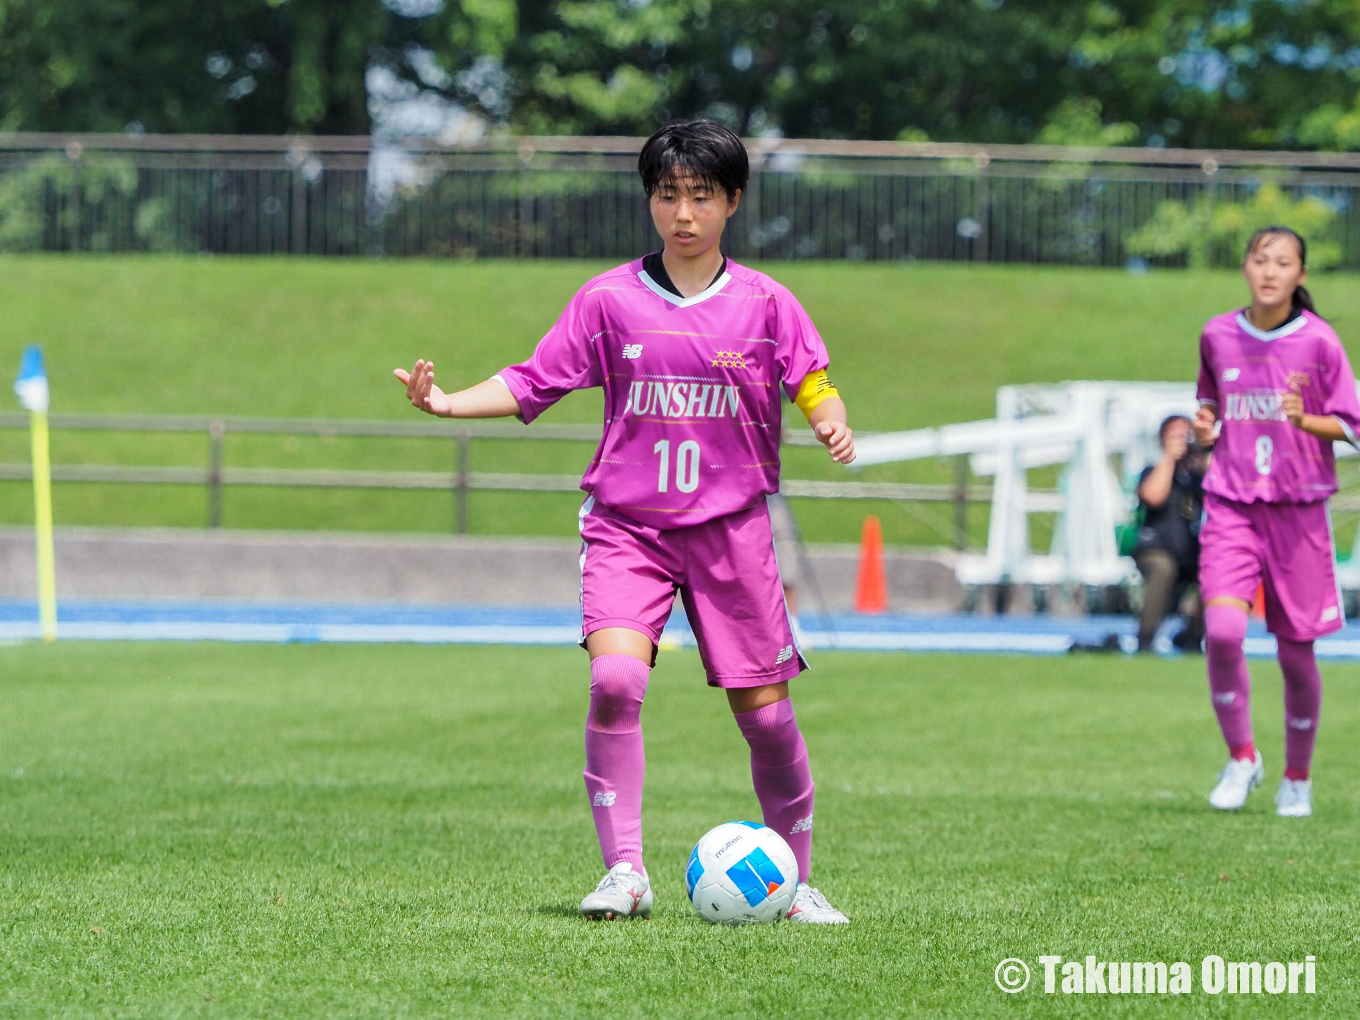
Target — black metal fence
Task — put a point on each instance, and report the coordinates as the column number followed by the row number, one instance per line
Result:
column 579, row 198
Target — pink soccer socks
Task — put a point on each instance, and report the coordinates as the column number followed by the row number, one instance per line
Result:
column 1302, row 701
column 615, row 763
column 1229, row 682
column 782, row 778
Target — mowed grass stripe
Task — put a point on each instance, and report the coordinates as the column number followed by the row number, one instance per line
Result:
column 209, row 830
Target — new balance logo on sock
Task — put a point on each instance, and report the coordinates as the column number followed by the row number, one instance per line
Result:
column 802, row 825
column 604, row 800
column 1303, row 725
column 785, row 654
column 1226, row 698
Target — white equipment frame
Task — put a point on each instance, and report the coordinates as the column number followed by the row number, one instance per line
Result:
column 1083, row 426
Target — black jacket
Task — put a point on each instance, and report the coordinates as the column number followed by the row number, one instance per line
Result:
column 1174, row 526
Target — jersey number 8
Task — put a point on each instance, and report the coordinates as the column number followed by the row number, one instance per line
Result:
column 686, row 466
column 1265, row 446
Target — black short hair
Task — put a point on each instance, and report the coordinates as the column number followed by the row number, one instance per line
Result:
column 701, row 150
column 1167, row 422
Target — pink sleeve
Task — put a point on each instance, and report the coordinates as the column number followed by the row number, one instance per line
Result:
column 801, row 349
column 1207, row 389
column 564, row 360
column 1338, row 389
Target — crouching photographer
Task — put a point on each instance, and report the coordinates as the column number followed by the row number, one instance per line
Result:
column 1171, row 503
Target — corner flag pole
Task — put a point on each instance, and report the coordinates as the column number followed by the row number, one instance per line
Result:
column 31, row 386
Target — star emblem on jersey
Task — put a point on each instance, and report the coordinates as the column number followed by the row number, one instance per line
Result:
column 729, row 359
column 632, row 351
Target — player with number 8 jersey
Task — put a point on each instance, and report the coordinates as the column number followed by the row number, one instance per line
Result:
column 1275, row 390
column 695, row 355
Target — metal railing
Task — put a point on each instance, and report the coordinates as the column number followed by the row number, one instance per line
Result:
column 460, row 482
column 579, row 197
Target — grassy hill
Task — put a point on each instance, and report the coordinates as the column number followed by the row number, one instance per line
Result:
column 911, row 345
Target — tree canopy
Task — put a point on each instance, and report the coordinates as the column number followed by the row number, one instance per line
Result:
column 1240, row 74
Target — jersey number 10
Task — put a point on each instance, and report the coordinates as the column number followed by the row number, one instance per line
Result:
column 686, row 466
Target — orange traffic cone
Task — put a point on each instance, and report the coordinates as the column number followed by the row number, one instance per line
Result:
column 1258, row 604
column 871, row 590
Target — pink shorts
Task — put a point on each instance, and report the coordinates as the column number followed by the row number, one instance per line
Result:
column 724, row 570
column 1287, row 548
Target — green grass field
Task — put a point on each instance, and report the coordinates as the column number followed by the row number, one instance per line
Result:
column 912, row 345
column 323, row 831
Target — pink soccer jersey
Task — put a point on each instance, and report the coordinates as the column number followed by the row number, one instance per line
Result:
column 1245, row 372
column 692, row 388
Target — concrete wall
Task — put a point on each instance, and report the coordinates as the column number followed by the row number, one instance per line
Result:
column 273, row 566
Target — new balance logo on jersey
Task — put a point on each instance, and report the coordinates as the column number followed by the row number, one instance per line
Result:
column 802, row 825
column 785, row 654
column 604, row 800
column 632, row 351
column 1231, row 374
column 683, row 400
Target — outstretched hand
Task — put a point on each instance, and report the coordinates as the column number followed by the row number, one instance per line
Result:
column 838, row 439
column 420, row 388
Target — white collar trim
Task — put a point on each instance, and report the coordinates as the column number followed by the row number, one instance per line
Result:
column 676, row 299
column 1274, row 334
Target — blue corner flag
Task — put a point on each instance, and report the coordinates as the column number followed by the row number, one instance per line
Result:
column 31, row 382
column 31, row 385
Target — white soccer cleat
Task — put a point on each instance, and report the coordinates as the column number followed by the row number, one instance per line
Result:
column 810, row 907
column 1237, row 779
column 1295, row 799
column 621, row 893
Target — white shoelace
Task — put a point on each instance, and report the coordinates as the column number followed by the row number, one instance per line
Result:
column 616, row 880
column 1292, row 794
column 818, row 900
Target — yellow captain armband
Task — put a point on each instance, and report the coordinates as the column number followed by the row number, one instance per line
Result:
column 817, row 386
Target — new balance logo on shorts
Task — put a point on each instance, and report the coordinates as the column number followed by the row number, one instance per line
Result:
column 802, row 825
column 604, row 800
column 785, row 654
column 1330, row 613
column 632, row 351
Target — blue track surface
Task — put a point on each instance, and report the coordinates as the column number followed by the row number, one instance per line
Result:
column 291, row 622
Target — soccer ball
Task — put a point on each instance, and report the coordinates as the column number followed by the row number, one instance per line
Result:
column 741, row 873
